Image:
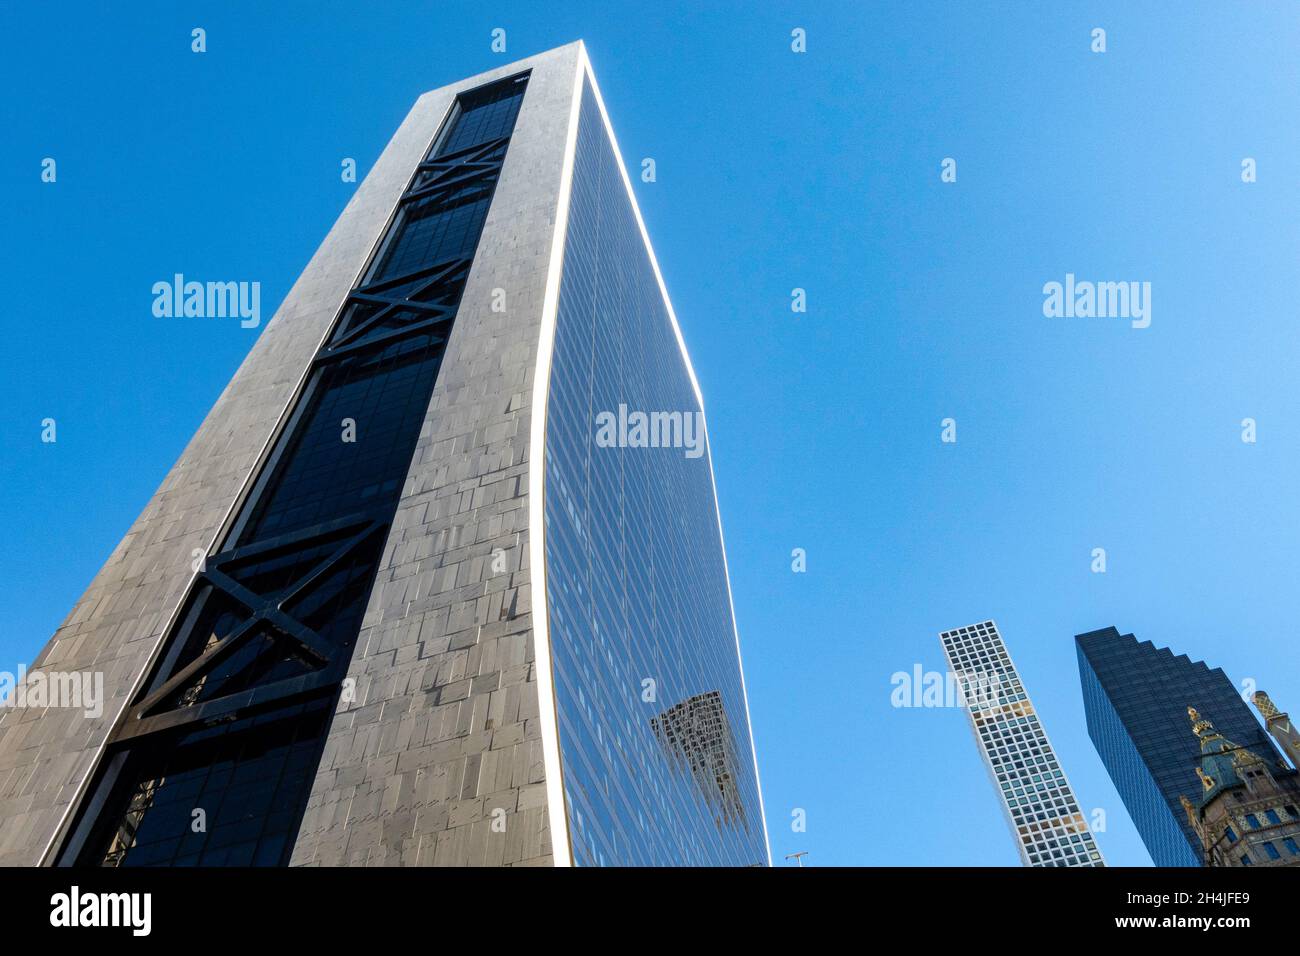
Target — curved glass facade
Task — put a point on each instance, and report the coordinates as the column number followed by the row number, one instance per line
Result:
column 654, row 736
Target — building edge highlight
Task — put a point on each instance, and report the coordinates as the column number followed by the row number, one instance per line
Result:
column 557, row 810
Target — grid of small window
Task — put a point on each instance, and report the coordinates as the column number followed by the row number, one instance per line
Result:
column 223, row 796
column 487, row 114
column 1035, row 794
column 436, row 230
column 382, row 397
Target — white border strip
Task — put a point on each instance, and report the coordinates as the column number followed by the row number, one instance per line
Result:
column 557, row 811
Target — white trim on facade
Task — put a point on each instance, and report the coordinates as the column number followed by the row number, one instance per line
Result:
column 557, row 810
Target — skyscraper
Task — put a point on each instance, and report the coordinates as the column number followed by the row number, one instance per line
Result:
column 1136, row 696
column 1040, row 807
column 398, row 602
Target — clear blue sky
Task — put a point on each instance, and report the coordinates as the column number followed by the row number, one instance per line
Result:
column 775, row 170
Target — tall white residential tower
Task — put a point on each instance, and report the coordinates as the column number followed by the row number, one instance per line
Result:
column 1041, row 809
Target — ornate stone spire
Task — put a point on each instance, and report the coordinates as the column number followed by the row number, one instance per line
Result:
column 1203, row 728
column 1220, row 758
column 1266, row 706
column 1279, row 726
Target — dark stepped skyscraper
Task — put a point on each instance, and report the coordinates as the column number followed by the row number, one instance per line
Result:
column 399, row 602
column 1136, row 697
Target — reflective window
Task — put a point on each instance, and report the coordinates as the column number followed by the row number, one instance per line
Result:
column 1135, row 698
column 654, row 737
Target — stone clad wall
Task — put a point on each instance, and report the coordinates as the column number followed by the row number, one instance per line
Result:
column 444, row 727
